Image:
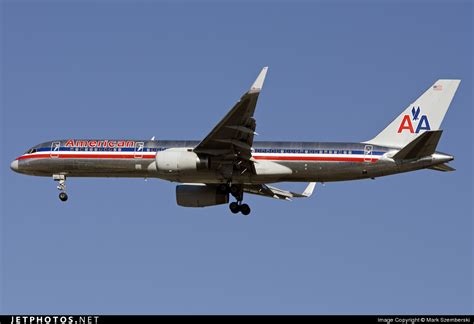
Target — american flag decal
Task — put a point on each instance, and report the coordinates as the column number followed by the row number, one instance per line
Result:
column 438, row 87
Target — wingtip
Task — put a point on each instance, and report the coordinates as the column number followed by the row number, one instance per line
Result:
column 447, row 81
column 258, row 84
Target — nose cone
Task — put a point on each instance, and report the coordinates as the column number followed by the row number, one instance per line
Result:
column 14, row 165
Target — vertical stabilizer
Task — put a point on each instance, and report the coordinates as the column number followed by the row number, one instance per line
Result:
column 425, row 114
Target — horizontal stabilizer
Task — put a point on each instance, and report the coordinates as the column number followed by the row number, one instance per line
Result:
column 423, row 145
column 308, row 191
column 442, row 167
column 272, row 192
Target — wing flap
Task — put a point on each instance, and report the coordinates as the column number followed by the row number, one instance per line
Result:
column 273, row 192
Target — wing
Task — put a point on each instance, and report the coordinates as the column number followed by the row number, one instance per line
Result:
column 231, row 139
column 273, row 192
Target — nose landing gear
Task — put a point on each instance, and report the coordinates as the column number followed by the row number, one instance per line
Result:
column 61, row 178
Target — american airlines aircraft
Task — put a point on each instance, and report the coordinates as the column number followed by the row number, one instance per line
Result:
column 227, row 162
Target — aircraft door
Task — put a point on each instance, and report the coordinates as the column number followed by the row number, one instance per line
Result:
column 368, row 150
column 139, row 148
column 55, row 149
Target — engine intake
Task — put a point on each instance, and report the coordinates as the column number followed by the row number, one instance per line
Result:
column 200, row 196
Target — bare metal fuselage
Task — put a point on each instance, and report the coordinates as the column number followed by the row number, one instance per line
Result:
column 274, row 161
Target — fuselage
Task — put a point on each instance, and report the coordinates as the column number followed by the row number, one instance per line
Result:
column 274, row 161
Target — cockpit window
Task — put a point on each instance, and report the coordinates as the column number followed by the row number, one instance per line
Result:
column 31, row 151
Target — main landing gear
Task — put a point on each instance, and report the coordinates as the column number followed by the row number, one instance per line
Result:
column 236, row 206
column 61, row 178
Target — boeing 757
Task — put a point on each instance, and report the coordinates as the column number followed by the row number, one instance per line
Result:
column 228, row 162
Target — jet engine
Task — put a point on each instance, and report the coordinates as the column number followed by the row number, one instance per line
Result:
column 170, row 161
column 200, row 196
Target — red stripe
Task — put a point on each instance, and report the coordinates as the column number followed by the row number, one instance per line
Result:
column 312, row 158
column 86, row 156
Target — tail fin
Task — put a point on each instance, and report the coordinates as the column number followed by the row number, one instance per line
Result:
column 425, row 114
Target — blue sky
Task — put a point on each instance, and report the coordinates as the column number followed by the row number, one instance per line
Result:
column 339, row 71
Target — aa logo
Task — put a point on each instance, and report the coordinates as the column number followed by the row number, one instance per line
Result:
column 408, row 122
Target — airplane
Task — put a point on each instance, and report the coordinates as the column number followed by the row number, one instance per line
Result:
column 227, row 162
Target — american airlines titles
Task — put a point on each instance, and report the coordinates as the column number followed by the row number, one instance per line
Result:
column 99, row 143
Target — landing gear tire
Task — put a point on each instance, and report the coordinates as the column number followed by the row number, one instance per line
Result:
column 234, row 207
column 245, row 209
column 63, row 196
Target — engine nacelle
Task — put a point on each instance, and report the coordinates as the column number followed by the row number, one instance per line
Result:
column 178, row 161
column 200, row 196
